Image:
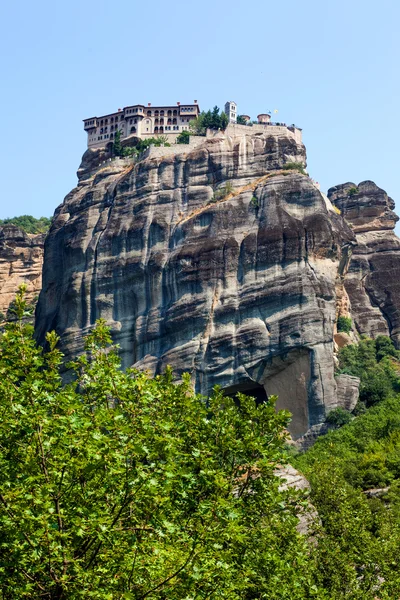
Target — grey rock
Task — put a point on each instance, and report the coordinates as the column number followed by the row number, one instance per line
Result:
column 372, row 281
column 348, row 391
column 236, row 291
column 21, row 259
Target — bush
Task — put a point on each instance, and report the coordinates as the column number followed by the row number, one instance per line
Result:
column 353, row 191
column 223, row 192
column 254, row 202
column 338, row 417
column 344, row 324
column 183, row 137
column 294, row 166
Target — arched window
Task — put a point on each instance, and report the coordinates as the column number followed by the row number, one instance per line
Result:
column 133, row 129
column 161, row 121
column 169, row 122
column 174, row 121
column 155, row 129
column 161, row 113
column 111, row 136
column 161, row 129
column 156, row 121
column 156, row 113
column 170, row 113
column 149, row 113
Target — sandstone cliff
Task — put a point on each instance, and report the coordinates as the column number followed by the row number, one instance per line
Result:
column 372, row 282
column 215, row 261
column 21, row 259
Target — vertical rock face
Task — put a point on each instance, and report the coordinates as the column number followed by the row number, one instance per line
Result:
column 21, row 259
column 373, row 279
column 216, row 262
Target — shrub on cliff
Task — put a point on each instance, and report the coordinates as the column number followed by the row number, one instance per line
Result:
column 294, row 166
column 123, row 486
column 344, row 324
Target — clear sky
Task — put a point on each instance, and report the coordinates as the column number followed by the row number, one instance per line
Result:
column 330, row 67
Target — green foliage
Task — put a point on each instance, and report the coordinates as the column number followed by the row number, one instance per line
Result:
column 223, row 192
column 339, row 417
column 254, row 202
column 241, row 120
column 356, row 554
column 117, row 146
column 28, row 223
column 122, row 486
column 344, row 324
column 294, row 166
column 353, row 191
column 183, row 137
column 209, row 120
column 375, row 362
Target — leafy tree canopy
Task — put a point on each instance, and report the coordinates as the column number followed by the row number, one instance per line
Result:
column 209, row 120
column 122, row 486
column 28, row 223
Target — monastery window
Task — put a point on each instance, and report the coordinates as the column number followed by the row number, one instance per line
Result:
column 161, row 121
column 155, row 129
column 173, row 121
column 105, row 129
column 156, row 113
column 161, row 113
column 170, row 113
column 121, row 117
column 175, row 113
column 149, row 113
column 112, row 119
column 133, row 129
column 156, row 121
column 135, row 121
column 131, row 121
column 161, row 129
column 101, row 122
column 101, row 130
column 169, row 121
column 111, row 136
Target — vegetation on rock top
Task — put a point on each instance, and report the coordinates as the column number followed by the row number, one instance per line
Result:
column 28, row 223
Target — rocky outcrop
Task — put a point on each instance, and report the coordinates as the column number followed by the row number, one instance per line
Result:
column 21, row 259
column 373, row 278
column 348, row 391
column 214, row 261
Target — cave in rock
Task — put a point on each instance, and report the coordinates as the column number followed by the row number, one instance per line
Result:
column 249, row 388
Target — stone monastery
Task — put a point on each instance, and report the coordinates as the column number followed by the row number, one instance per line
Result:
column 140, row 121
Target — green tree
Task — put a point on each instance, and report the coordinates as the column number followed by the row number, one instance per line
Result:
column 117, row 146
column 183, row 137
column 122, row 486
column 241, row 120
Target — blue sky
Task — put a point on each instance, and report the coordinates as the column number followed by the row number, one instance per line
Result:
column 330, row 67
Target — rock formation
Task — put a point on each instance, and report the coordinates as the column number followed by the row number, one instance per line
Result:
column 372, row 282
column 215, row 261
column 21, row 259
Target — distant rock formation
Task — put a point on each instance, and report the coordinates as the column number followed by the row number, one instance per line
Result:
column 21, row 259
column 373, row 278
column 215, row 261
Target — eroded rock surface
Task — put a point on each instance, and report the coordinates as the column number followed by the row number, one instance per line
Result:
column 21, row 259
column 373, row 278
column 238, row 288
